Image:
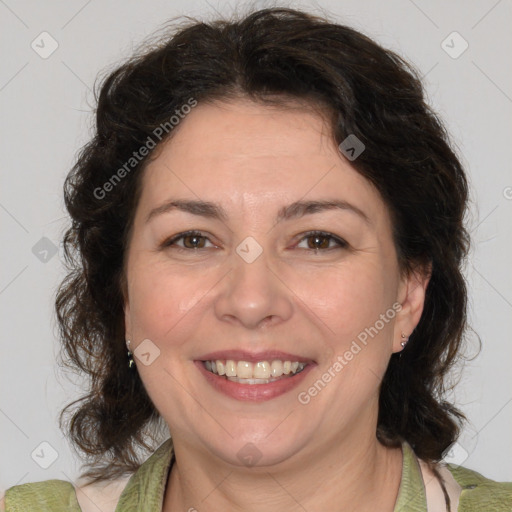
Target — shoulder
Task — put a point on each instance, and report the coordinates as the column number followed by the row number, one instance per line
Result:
column 481, row 493
column 50, row 495
column 60, row 495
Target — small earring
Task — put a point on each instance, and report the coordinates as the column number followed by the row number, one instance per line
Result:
column 131, row 362
column 405, row 338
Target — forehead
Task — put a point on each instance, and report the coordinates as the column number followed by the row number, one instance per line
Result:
column 240, row 152
column 245, row 129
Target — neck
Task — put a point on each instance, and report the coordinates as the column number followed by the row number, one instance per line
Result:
column 362, row 475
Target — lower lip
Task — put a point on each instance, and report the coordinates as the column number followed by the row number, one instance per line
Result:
column 253, row 392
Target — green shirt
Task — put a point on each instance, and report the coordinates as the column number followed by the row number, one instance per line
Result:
column 146, row 487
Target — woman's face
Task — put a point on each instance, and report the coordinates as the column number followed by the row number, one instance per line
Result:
column 253, row 285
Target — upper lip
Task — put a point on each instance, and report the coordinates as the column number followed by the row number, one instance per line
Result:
column 253, row 357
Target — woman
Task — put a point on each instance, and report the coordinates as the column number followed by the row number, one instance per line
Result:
column 265, row 257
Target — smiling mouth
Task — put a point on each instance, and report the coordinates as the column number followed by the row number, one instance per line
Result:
column 261, row 372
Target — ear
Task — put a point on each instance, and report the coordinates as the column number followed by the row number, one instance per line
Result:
column 127, row 321
column 411, row 296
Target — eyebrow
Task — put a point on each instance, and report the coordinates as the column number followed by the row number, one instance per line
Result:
column 292, row 211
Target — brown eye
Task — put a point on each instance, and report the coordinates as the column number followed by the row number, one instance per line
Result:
column 190, row 240
column 318, row 240
column 193, row 241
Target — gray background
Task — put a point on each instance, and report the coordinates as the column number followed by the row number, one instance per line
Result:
column 46, row 117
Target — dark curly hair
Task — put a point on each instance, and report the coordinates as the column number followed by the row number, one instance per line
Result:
column 271, row 56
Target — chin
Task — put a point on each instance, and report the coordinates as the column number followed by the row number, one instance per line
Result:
column 259, row 450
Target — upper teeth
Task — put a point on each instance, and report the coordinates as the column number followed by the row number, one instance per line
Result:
column 259, row 370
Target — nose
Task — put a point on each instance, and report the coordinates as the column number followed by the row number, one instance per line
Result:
column 253, row 294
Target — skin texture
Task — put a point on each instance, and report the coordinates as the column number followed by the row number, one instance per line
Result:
column 252, row 160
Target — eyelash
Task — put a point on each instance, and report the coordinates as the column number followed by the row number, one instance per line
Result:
column 342, row 244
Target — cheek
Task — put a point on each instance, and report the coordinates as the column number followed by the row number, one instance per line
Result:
column 160, row 299
column 354, row 304
column 348, row 299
